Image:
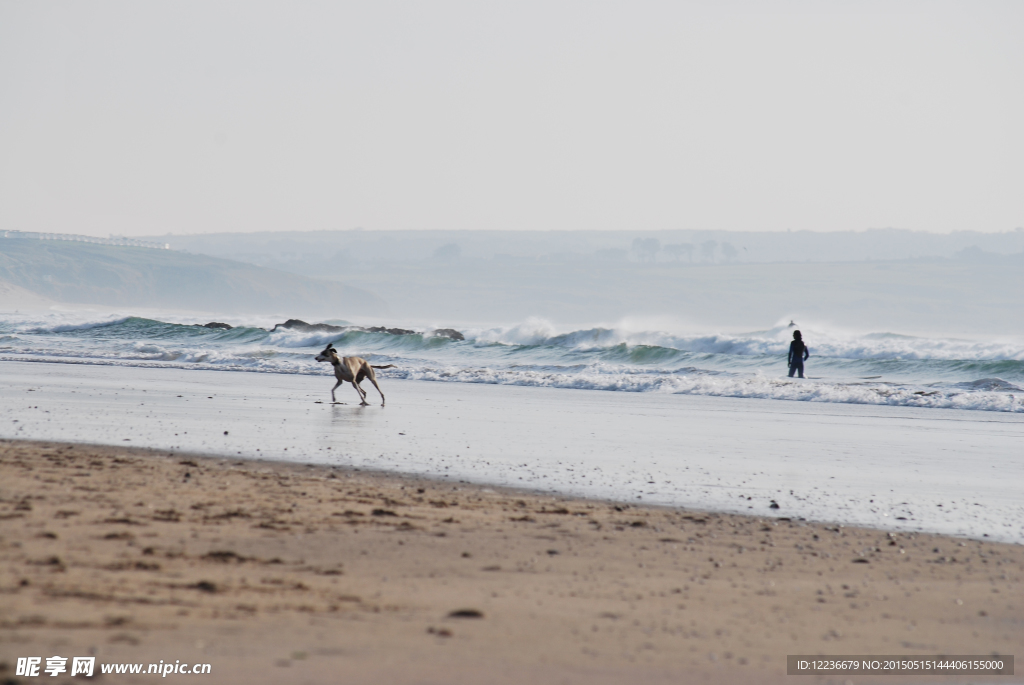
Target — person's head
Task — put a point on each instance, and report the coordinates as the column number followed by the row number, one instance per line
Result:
column 797, row 336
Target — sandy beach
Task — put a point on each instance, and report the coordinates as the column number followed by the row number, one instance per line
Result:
column 901, row 469
column 276, row 572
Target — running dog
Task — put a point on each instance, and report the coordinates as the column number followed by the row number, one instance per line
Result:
column 351, row 370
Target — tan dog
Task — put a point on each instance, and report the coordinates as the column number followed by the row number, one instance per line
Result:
column 351, row 370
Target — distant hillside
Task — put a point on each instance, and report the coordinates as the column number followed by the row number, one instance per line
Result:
column 134, row 276
column 13, row 298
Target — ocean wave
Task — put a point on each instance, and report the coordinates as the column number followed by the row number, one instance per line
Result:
column 638, row 345
column 873, row 368
column 990, row 384
column 72, row 327
column 774, row 342
column 357, row 339
column 757, row 386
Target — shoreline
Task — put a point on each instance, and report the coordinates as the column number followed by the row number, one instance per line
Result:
column 899, row 469
column 1013, row 409
column 134, row 554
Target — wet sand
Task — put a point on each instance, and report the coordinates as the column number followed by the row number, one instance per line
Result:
column 275, row 572
column 901, row 469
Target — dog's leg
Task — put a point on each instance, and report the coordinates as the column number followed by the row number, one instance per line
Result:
column 332, row 392
column 362, row 395
column 374, row 381
column 367, row 372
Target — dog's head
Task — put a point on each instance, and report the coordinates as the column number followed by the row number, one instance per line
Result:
column 327, row 354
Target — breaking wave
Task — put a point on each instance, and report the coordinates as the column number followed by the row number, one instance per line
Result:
column 876, row 368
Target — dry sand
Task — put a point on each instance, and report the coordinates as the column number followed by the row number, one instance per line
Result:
column 282, row 573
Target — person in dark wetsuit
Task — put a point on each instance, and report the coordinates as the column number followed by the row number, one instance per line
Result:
column 798, row 354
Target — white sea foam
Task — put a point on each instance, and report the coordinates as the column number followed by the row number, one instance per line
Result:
column 753, row 386
column 300, row 339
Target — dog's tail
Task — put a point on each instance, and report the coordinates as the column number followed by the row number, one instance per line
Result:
column 387, row 366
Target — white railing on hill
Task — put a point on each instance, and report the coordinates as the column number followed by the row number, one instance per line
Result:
column 112, row 240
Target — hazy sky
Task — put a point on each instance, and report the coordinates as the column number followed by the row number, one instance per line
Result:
column 151, row 117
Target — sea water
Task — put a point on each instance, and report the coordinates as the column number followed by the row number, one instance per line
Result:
column 869, row 367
